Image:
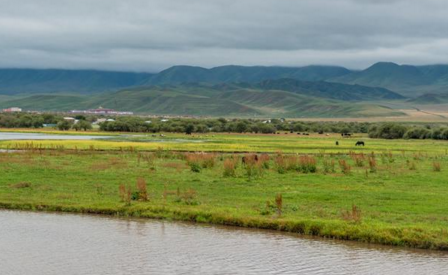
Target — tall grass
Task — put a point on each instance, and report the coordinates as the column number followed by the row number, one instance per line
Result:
column 345, row 167
column 279, row 204
column 200, row 160
column 372, row 164
column 125, row 193
column 359, row 159
column 354, row 214
column 328, row 166
column 230, row 165
column 142, row 189
column 436, row 167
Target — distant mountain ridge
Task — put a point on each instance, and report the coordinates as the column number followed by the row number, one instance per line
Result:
column 310, row 91
column 406, row 79
column 227, row 74
column 33, row 81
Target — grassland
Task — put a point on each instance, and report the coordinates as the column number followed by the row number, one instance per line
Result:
column 272, row 143
column 395, row 196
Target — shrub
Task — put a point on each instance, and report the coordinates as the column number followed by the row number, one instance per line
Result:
column 125, row 193
column 188, row 197
column 194, row 162
column 388, row 130
column 230, row 167
column 280, row 163
column 345, row 167
column 436, row 166
column 279, row 204
column 264, row 160
column 199, row 161
column 142, row 189
column 352, row 215
column 372, row 164
column 358, row 159
column 253, row 169
column 418, row 133
column 328, row 166
column 307, row 164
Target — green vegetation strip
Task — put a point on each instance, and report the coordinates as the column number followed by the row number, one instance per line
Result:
column 397, row 199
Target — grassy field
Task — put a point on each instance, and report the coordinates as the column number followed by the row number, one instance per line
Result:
column 286, row 143
column 395, row 195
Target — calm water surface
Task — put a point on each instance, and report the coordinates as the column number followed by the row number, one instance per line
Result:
column 43, row 243
column 35, row 136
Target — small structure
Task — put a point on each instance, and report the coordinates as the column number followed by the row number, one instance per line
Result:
column 98, row 121
column 71, row 119
column 50, row 125
column 101, row 111
column 12, row 110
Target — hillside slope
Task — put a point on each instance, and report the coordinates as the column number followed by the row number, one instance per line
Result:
column 228, row 74
column 330, row 90
column 430, row 99
column 205, row 101
column 406, row 79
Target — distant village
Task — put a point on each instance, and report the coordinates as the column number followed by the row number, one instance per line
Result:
column 101, row 111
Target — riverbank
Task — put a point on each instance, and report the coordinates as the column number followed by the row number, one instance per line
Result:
column 401, row 201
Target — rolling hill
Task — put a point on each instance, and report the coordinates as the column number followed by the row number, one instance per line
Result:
column 330, row 90
column 430, row 99
column 205, row 100
column 229, row 74
column 405, row 79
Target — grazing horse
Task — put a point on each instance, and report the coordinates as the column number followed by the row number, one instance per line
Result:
column 359, row 143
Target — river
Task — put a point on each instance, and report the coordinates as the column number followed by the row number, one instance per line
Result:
column 47, row 243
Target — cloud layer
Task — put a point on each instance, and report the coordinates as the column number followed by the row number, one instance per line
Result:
column 150, row 35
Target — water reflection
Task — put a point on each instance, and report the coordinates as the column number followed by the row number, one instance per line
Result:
column 42, row 243
column 36, row 136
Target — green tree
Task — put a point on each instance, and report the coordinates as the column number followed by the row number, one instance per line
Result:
column 64, row 125
column 189, row 129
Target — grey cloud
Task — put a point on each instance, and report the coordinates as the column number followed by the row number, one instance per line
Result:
column 151, row 35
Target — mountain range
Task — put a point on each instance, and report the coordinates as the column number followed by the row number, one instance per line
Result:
column 313, row 91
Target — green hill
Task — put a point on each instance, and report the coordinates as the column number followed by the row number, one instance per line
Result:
column 227, row 74
column 329, row 90
column 205, row 101
column 405, row 79
column 430, row 99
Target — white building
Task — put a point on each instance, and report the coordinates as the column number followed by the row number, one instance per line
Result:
column 12, row 110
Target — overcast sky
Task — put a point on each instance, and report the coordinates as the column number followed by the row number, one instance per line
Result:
column 150, row 35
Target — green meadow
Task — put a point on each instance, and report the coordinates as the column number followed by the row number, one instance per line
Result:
column 283, row 142
column 389, row 192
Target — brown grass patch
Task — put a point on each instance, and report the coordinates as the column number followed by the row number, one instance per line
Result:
column 21, row 185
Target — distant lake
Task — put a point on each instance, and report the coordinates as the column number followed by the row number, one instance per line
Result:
column 46, row 243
